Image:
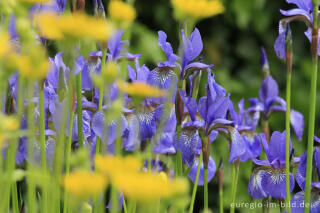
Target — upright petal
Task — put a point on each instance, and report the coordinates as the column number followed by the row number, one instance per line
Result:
column 297, row 122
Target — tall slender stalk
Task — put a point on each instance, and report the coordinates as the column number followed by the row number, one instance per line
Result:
column 43, row 144
column 79, row 109
column 288, row 100
column 195, row 184
column 312, row 104
column 67, row 160
column 31, row 193
column 220, row 176
column 205, row 191
column 234, row 184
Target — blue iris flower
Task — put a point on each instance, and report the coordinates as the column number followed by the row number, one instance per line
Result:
column 270, row 178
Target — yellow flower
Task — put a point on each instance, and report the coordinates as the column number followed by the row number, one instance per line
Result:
column 31, row 67
column 112, row 165
column 83, row 184
column 197, row 9
column 141, row 89
column 5, row 45
column 77, row 25
column 9, row 123
column 148, row 187
column 121, row 11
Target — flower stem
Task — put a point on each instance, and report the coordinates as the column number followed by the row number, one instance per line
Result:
column 67, row 161
column 31, row 193
column 220, row 176
column 79, row 109
column 205, row 191
column 43, row 143
column 15, row 203
column 234, row 184
column 288, row 100
column 195, row 185
column 312, row 106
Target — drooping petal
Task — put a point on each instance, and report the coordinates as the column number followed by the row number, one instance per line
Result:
column 237, row 147
column 255, row 188
column 187, row 144
column 274, row 183
column 211, row 171
column 297, row 202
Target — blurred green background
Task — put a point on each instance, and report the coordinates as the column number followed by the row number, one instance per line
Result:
column 232, row 43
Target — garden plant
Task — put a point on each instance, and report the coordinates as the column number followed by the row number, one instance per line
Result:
column 94, row 120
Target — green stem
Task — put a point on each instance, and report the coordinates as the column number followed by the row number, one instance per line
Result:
column 288, row 95
column 195, row 185
column 15, row 203
column 43, row 144
column 31, row 202
column 234, row 185
column 288, row 100
column 79, row 109
column 67, row 161
column 205, row 183
column 114, row 200
column 178, row 165
column 220, row 173
column 312, row 104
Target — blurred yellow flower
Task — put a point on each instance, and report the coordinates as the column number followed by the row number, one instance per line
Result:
column 84, row 184
column 197, row 9
column 9, row 123
column 76, row 25
column 141, row 89
column 5, row 45
column 31, row 67
column 121, row 11
column 148, row 187
column 112, row 165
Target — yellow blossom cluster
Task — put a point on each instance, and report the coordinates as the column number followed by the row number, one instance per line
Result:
column 8, row 125
column 76, row 25
column 121, row 11
column 141, row 186
column 141, row 89
column 197, row 9
column 84, row 184
column 5, row 45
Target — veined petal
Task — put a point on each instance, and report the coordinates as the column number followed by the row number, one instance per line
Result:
column 274, row 183
column 187, row 144
column 255, row 188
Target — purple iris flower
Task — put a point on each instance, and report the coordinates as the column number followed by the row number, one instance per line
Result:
column 301, row 171
column 167, row 143
column 167, row 49
column 100, row 128
column 115, row 46
column 191, row 49
column 59, row 74
column 55, row 6
column 246, row 129
column 305, row 9
column 297, row 201
column 98, row 8
column 270, row 178
column 270, row 102
column 211, row 171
